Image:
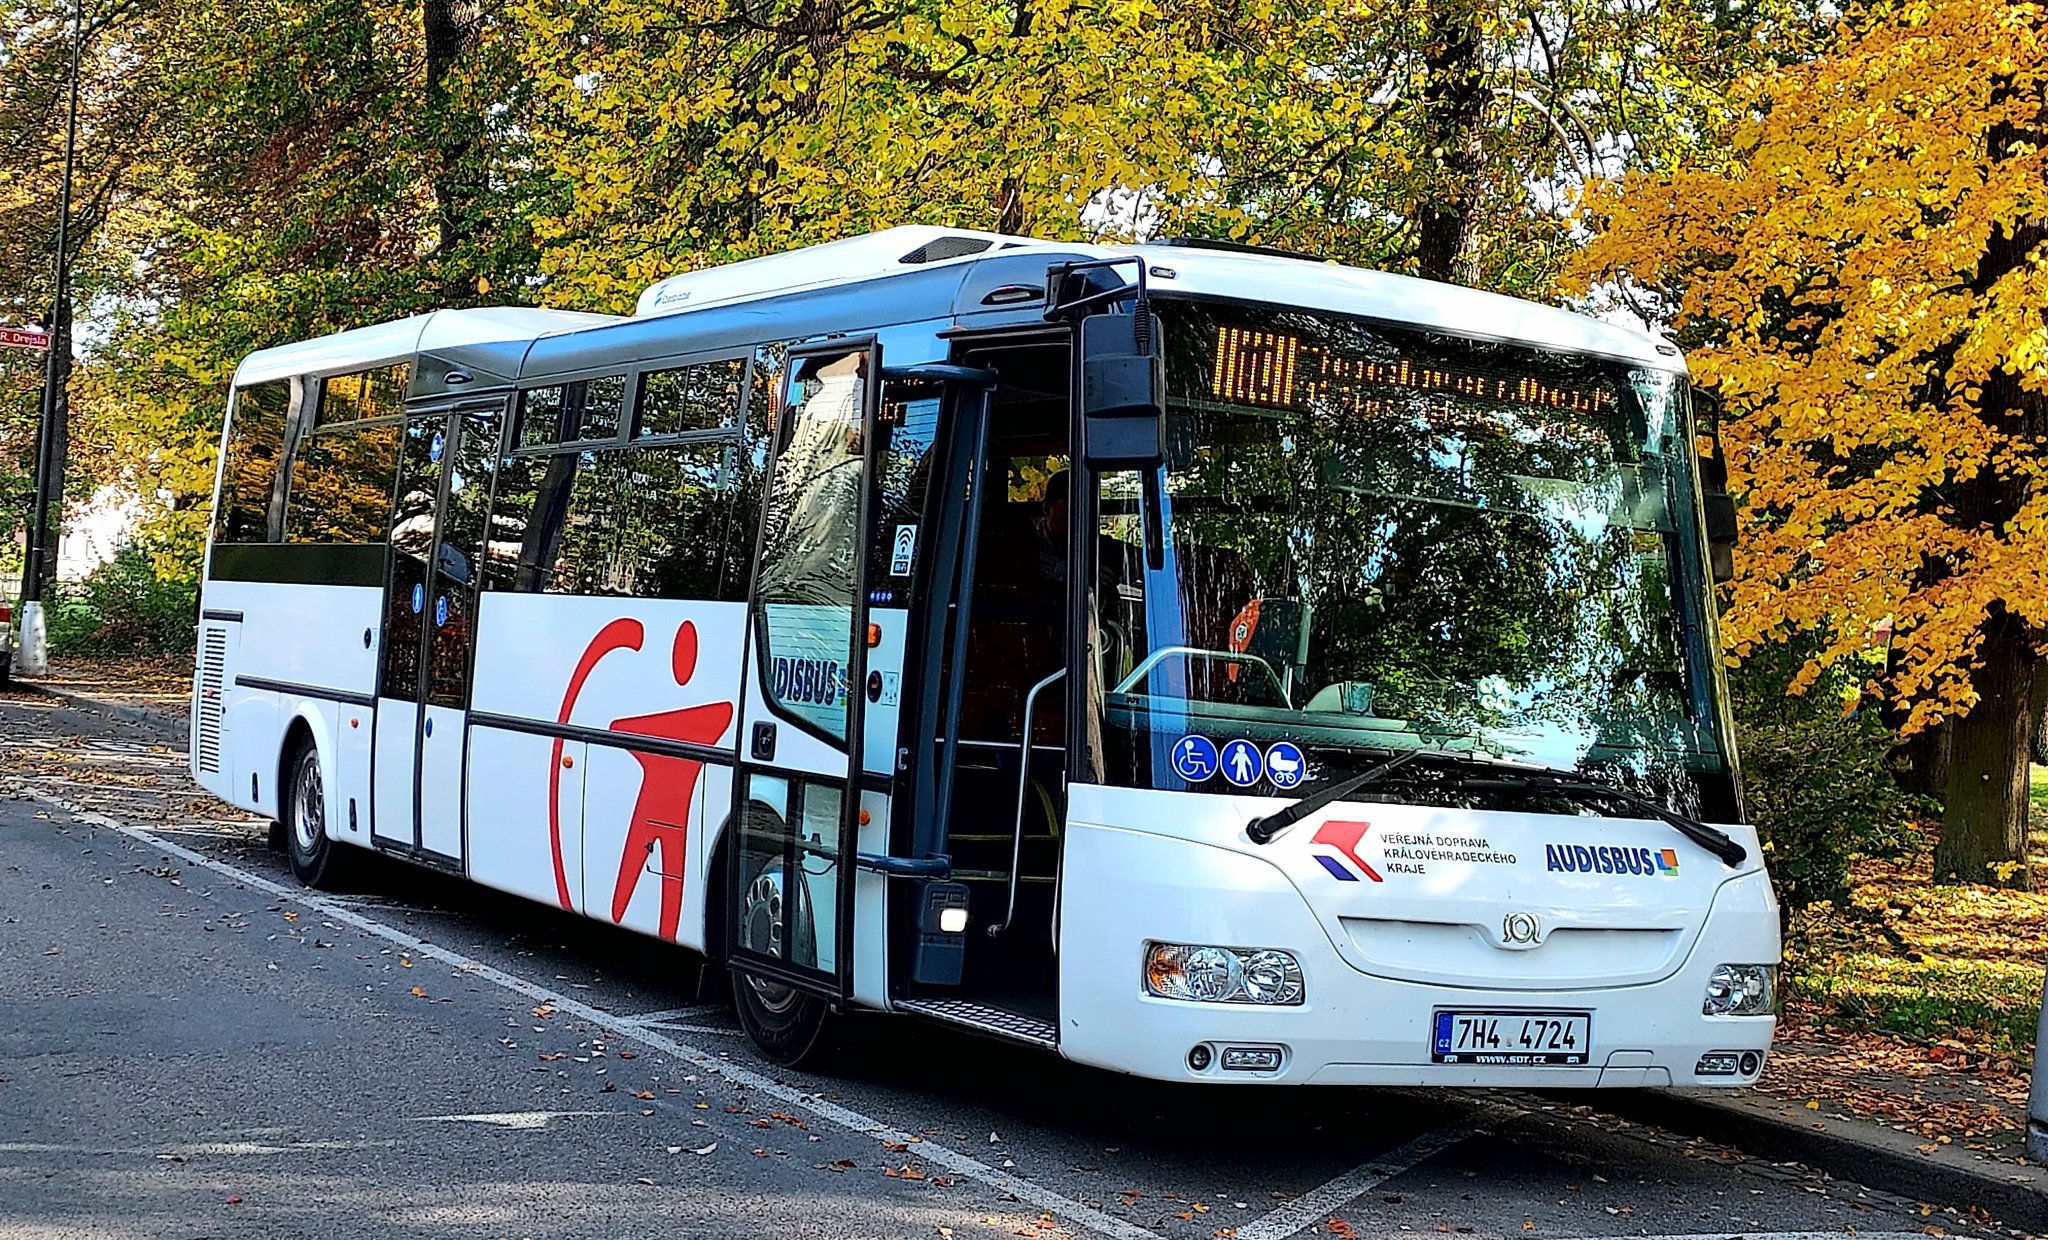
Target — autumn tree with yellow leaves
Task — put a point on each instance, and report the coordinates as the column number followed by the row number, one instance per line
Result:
column 1863, row 277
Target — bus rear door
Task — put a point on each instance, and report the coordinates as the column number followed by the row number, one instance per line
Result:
column 437, row 532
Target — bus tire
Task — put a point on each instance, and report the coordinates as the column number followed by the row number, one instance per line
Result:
column 791, row 1028
column 316, row 860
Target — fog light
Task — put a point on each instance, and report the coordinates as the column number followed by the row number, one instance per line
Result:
column 1198, row 1057
column 1251, row 1059
column 1751, row 1061
column 1717, row 1063
column 1739, row 990
column 1257, row 975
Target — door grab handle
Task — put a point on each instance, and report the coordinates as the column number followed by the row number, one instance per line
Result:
column 1023, row 787
column 905, row 867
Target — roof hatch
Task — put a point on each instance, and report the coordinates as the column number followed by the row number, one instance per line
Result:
column 835, row 262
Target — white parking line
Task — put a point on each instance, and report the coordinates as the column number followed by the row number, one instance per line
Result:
column 1318, row 1204
column 669, row 1014
column 1061, row 1207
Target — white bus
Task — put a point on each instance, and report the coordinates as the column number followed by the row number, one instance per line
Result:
column 1206, row 664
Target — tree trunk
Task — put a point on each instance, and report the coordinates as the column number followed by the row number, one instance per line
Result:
column 1454, row 113
column 450, row 27
column 1984, row 823
column 1921, row 760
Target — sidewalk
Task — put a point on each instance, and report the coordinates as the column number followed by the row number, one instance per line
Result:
column 152, row 691
column 1943, row 1127
column 1939, row 1124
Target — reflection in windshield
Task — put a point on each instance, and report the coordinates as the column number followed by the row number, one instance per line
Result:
column 1380, row 539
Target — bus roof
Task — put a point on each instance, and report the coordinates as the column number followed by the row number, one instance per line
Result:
column 400, row 339
column 1186, row 270
column 1189, row 270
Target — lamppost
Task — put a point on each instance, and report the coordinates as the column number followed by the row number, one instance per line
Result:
column 34, row 656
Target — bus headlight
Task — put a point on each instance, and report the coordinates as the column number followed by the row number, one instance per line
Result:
column 1262, row 975
column 1740, row 990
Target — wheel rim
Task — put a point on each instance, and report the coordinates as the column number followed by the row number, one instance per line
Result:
column 309, row 813
column 762, row 919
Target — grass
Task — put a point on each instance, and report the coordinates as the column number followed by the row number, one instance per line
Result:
column 1942, row 964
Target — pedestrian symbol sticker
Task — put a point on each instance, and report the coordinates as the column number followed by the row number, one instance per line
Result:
column 1242, row 763
column 901, row 553
column 441, row 611
column 419, row 599
column 1194, row 758
column 1284, row 765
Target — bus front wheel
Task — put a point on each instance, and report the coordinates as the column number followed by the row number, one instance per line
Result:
column 789, row 1027
column 316, row 861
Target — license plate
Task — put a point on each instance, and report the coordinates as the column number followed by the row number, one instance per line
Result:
column 1512, row 1038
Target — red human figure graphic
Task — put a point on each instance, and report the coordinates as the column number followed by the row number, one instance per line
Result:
column 618, row 635
column 661, row 813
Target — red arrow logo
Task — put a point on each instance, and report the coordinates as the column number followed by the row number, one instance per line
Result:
column 1344, row 837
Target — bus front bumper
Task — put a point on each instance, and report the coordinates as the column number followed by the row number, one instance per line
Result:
column 1124, row 890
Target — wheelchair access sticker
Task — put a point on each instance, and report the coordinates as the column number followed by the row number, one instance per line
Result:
column 1194, row 758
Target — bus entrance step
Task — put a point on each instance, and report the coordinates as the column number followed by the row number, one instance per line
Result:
column 986, row 1019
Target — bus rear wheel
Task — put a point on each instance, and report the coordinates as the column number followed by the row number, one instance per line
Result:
column 791, row 1028
column 316, row 860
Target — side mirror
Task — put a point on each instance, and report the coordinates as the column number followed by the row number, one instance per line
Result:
column 1720, row 512
column 1123, row 391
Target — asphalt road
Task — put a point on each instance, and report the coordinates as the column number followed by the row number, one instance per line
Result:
column 191, row 1046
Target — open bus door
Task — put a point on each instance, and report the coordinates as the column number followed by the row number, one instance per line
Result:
column 790, row 904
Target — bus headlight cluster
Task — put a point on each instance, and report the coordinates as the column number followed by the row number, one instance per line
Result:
column 1740, row 990
column 1262, row 975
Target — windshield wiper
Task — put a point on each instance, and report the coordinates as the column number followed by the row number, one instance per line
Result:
column 1520, row 778
column 1513, row 776
column 1266, row 830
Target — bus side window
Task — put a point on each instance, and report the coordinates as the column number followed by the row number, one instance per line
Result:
column 342, row 477
column 703, row 397
column 748, row 467
column 643, row 522
column 254, row 451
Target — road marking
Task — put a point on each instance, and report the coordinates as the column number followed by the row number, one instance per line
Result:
column 514, row 1119
column 670, row 1014
column 953, row 1160
column 1318, row 1204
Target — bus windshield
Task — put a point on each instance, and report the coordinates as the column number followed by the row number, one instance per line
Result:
column 1377, row 538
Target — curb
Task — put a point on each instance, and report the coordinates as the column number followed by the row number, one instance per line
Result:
column 1845, row 1148
column 147, row 716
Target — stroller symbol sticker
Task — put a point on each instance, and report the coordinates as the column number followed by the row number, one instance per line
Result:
column 1284, row 765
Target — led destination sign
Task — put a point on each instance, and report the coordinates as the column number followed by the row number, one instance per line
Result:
column 1282, row 370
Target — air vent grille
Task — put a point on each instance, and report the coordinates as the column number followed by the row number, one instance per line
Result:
column 213, row 664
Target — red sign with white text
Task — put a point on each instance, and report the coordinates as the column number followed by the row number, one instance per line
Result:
column 24, row 338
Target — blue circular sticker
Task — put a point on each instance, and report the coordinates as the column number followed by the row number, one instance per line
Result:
column 1243, row 763
column 1284, row 765
column 1194, row 758
column 440, row 611
column 434, row 449
column 419, row 598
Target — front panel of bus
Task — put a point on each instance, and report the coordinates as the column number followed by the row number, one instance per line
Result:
column 1369, row 540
